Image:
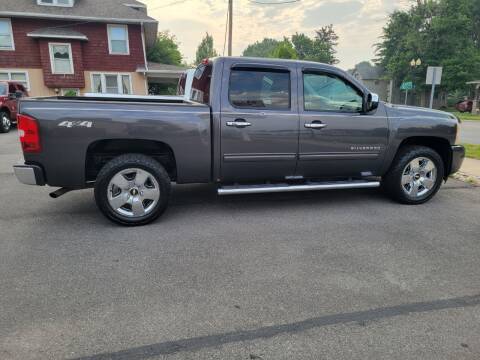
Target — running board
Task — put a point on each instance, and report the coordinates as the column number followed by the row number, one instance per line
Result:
column 309, row 186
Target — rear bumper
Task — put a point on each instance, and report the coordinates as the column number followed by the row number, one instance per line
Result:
column 458, row 154
column 29, row 174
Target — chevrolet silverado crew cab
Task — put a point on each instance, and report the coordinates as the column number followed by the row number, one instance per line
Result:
column 250, row 126
column 10, row 92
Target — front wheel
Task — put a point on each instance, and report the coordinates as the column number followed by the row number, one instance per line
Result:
column 5, row 122
column 415, row 176
column 132, row 190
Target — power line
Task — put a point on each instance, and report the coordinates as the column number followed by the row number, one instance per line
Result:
column 167, row 5
column 274, row 3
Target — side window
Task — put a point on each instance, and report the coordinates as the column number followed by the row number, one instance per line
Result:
column 260, row 89
column 325, row 92
column 12, row 89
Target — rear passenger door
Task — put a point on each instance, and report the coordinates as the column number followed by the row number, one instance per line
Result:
column 259, row 123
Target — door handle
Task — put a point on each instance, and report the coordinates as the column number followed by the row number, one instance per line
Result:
column 315, row 125
column 239, row 123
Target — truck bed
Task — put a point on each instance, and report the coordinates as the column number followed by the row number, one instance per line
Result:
column 73, row 128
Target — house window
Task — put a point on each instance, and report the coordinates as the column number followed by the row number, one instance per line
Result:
column 6, row 35
column 18, row 76
column 61, row 58
column 67, row 3
column 118, row 39
column 112, row 83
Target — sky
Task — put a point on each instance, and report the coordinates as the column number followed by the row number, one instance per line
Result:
column 358, row 23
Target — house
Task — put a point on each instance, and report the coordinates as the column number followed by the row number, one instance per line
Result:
column 65, row 46
column 373, row 78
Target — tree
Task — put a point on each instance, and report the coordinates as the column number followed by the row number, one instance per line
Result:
column 284, row 50
column 262, row 48
column 326, row 40
column 165, row 50
column 205, row 49
column 320, row 48
column 439, row 32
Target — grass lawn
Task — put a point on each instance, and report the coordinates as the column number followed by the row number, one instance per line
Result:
column 473, row 151
column 465, row 116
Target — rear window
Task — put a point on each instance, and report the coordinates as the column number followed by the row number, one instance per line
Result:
column 201, row 84
column 3, row 89
column 260, row 89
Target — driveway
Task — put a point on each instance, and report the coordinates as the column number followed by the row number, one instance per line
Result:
column 326, row 275
column 470, row 132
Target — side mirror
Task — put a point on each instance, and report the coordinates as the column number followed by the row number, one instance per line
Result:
column 372, row 102
column 18, row 94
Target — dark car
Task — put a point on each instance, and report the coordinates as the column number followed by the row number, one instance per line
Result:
column 464, row 106
column 10, row 92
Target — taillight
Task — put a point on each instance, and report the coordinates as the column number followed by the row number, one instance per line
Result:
column 29, row 135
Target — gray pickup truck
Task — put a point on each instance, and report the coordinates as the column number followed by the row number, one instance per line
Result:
column 250, row 126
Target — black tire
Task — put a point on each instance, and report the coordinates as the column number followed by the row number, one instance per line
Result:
column 129, row 161
column 5, row 122
column 392, row 181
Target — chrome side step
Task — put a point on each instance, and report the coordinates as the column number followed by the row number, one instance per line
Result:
column 308, row 186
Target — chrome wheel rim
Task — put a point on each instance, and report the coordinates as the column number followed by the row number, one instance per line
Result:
column 133, row 193
column 6, row 122
column 419, row 177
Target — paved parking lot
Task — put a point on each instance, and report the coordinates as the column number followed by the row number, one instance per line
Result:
column 327, row 275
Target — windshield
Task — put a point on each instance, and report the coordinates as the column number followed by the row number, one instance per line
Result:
column 3, row 89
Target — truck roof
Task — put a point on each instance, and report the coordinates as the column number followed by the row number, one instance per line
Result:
column 259, row 60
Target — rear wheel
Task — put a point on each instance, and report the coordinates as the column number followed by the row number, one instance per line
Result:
column 416, row 175
column 132, row 189
column 5, row 122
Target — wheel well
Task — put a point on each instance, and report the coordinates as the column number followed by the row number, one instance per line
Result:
column 101, row 152
column 440, row 145
column 6, row 110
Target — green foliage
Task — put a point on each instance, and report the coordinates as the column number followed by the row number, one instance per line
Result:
column 165, row 50
column 439, row 32
column 262, row 48
column 472, row 151
column 320, row 48
column 70, row 93
column 284, row 50
column 205, row 49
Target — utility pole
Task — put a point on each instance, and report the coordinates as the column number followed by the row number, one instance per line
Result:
column 230, row 26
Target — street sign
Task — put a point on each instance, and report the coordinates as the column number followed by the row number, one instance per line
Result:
column 407, row 85
column 434, row 75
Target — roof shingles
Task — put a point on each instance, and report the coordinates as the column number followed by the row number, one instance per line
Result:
column 98, row 9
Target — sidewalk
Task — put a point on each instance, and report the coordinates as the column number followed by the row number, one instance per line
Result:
column 470, row 171
column 471, row 167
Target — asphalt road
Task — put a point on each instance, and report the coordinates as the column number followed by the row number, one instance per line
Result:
column 470, row 132
column 327, row 275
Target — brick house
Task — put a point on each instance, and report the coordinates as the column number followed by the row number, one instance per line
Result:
column 55, row 46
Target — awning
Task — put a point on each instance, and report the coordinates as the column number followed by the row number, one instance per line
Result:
column 165, row 71
column 57, row 33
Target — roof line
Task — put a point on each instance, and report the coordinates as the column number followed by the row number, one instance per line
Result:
column 74, row 17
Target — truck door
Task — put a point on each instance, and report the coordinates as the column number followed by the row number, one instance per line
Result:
column 336, row 137
column 259, row 123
